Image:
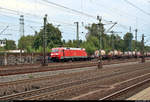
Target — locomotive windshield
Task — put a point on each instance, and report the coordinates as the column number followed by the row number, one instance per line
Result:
column 55, row 50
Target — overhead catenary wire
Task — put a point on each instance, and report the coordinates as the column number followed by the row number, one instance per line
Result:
column 120, row 12
column 18, row 12
column 79, row 12
column 73, row 10
column 133, row 5
column 65, row 22
column 119, row 24
column 32, row 21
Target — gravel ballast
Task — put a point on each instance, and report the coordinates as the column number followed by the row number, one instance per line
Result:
column 51, row 73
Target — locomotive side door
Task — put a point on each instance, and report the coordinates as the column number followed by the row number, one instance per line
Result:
column 63, row 53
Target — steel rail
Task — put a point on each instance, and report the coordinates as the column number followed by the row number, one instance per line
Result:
column 124, row 90
column 52, row 68
column 47, row 77
column 64, row 85
column 69, row 89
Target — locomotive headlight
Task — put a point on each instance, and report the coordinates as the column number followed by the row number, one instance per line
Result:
column 56, row 54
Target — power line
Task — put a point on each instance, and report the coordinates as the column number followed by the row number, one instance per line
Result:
column 17, row 12
column 73, row 10
column 119, row 13
column 137, row 7
column 66, row 23
column 121, row 25
column 31, row 21
column 79, row 12
column 14, row 12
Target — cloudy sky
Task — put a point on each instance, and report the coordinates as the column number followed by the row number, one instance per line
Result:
column 119, row 11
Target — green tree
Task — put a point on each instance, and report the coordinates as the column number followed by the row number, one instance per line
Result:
column 94, row 30
column 26, row 42
column 53, row 37
column 69, row 44
column 10, row 45
column 91, row 45
column 128, row 40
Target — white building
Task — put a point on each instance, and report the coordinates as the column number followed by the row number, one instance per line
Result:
column 2, row 43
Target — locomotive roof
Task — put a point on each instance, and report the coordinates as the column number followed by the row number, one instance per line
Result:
column 70, row 48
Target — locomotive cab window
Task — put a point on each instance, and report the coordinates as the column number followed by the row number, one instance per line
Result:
column 55, row 50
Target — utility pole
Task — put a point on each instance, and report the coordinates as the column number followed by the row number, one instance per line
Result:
column 44, row 42
column 77, row 37
column 136, row 38
column 113, row 38
column 130, row 29
column 142, row 43
column 136, row 42
column 100, row 43
column 112, row 41
column 21, row 34
column 130, row 42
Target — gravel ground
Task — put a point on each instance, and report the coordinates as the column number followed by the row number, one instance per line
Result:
column 51, row 73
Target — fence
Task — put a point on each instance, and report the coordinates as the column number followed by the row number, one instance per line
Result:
column 15, row 59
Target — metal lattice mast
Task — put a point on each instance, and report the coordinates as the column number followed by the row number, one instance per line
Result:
column 21, row 25
column 21, row 34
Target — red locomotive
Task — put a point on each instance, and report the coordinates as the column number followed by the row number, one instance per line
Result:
column 66, row 54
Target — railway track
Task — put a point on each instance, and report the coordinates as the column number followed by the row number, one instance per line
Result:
column 126, row 89
column 36, row 79
column 49, row 64
column 43, row 69
column 65, row 85
column 78, row 88
column 68, row 63
column 132, row 83
column 6, row 72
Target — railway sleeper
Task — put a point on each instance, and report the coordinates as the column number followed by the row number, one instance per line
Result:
column 35, row 87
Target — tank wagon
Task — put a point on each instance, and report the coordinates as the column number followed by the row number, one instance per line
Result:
column 103, row 53
column 118, row 54
column 68, row 54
